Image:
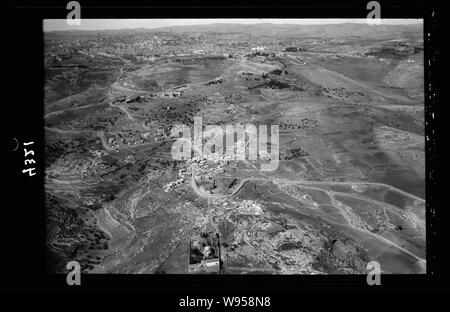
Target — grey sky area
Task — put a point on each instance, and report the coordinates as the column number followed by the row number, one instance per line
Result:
column 102, row 24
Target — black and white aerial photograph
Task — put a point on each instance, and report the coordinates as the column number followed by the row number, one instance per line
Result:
column 240, row 146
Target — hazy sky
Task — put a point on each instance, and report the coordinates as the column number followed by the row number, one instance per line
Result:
column 100, row 24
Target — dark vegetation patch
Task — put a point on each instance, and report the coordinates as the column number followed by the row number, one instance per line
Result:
column 341, row 256
column 69, row 237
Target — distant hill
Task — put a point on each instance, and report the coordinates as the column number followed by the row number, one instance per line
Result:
column 327, row 30
column 276, row 30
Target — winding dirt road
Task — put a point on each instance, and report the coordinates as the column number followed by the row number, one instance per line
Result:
column 307, row 184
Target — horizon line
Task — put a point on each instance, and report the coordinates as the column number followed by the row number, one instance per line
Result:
column 53, row 25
